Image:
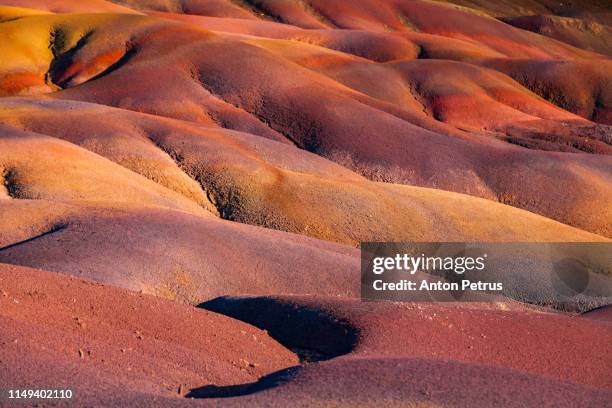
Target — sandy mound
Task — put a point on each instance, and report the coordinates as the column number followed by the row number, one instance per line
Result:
column 71, row 6
column 245, row 178
column 39, row 167
column 469, row 333
column 596, row 10
column 172, row 254
column 138, row 138
column 405, row 382
column 131, row 348
column 423, row 355
column 395, row 382
column 120, row 342
column 284, row 96
column 588, row 95
column 191, row 259
column 588, row 35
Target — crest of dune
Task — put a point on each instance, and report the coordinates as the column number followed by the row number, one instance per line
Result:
column 160, row 155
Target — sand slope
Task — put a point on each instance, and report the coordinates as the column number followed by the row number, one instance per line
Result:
column 425, row 354
column 121, row 342
column 335, row 121
column 232, row 155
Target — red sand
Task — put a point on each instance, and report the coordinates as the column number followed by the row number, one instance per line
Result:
column 427, row 354
column 56, row 329
column 194, row 149
column 132, row 348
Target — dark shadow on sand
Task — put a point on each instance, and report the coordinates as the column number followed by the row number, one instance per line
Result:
column 311, row 333
column 240, row 390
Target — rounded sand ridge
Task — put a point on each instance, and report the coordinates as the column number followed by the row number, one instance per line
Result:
column 172, row 254
column 423, row 354
column 444, row 132
column 120, row 341
column 245, row 178
column 232, row 155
